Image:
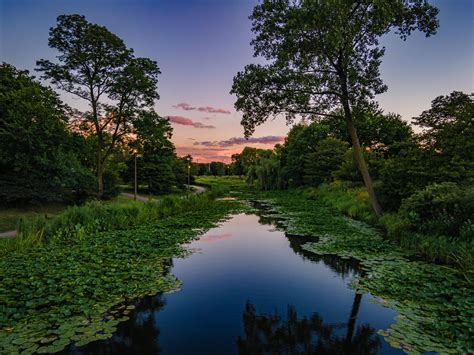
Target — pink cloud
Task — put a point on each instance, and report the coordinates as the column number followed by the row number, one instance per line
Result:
column 206, row 155
column 188, row 122
column 209, row 109
column 240, row 141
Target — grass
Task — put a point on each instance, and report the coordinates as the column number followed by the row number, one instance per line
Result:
column 353, row 201
column 9, row 217
column 75, row 283
column 231, row 182
column 95, row 216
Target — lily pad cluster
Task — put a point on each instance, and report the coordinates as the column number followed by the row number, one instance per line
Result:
column 435, row 303
column 79, row 290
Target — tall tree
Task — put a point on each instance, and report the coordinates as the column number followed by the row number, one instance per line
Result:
column 38, row 161
column 158, row 153
column 95, row 65
column 323, row 56
column 449, row 133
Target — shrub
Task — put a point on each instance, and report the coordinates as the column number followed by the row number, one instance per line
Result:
column 444, row 209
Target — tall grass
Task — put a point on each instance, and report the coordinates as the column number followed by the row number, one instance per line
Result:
column 78, row 221
column 347, row 199
column 353, row 201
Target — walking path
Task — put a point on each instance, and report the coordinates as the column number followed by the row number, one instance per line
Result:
column 195, row 188
column 8, row 234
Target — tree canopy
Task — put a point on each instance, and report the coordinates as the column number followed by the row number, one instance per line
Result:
column 38, row 160
column 95, row 65
column 323, row 56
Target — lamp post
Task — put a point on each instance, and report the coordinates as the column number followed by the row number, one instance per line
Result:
column 188, row 160
column 135, row 152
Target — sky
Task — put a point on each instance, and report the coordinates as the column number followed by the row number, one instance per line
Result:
column 201, row 44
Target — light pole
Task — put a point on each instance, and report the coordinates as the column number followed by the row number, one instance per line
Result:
column 135, row 189
column 189, row 176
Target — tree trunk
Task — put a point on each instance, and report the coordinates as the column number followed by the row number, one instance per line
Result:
column 100, row 179
column 352, row 321
column 361, row 164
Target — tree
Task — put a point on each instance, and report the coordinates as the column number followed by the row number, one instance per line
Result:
column 377, row 131
column 301, row 141
column 95, row 65
column 217, row 168
column 449, row 133
column 157, row 151
column 38, row 161
column 323, row 56
column 326, row 158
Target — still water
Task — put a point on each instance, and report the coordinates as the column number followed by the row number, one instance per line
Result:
column 249, row 288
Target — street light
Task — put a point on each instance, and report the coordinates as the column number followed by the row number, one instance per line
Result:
column 135, row 152
column 189, row 173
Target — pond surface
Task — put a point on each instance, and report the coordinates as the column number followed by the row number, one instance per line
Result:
column 250, row 288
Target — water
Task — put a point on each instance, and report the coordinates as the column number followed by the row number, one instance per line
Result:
column 249, row 288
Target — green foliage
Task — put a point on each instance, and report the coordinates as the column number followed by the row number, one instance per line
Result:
column 345, row 198
column 95, row 65
column 158, row 156
column 321, row 55
column 301, row 141
column 376, row 131
column 348, row 170
column 79, row 289
column 77, row 221
column 38, row 162
column 218, row 168
column 327, row 157
column 434, row 303
column 449, row 133
column 441, row 210
column 232, row 182
column 244, row 161
column 10, row 217
column 181, row 168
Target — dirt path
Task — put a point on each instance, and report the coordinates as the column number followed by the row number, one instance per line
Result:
column 8, row 234
column 198, row 189
column 132, row 196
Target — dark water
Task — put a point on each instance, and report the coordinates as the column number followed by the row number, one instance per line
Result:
column 251, row 289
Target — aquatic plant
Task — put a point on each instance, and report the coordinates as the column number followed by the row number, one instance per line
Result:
column 435, row 303
column 78, row 289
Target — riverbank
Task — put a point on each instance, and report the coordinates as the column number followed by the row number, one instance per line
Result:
column 434, row 303
column 77, row 287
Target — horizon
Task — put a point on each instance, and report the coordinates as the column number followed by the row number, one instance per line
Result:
column 216, row 36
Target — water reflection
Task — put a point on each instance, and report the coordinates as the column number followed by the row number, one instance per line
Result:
column 245, row 259
column 276, row 334
column 344, row 267
column 139, row 335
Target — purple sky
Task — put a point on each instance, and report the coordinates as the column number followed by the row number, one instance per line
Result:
column 201, row 44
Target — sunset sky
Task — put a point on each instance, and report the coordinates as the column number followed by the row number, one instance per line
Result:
column 201, row 44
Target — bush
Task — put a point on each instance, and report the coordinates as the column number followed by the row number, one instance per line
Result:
column 444, row 209
column 219, row 191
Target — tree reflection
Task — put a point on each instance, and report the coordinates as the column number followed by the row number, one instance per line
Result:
column 139, row 335
column 344, row 267
column 272, row 333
